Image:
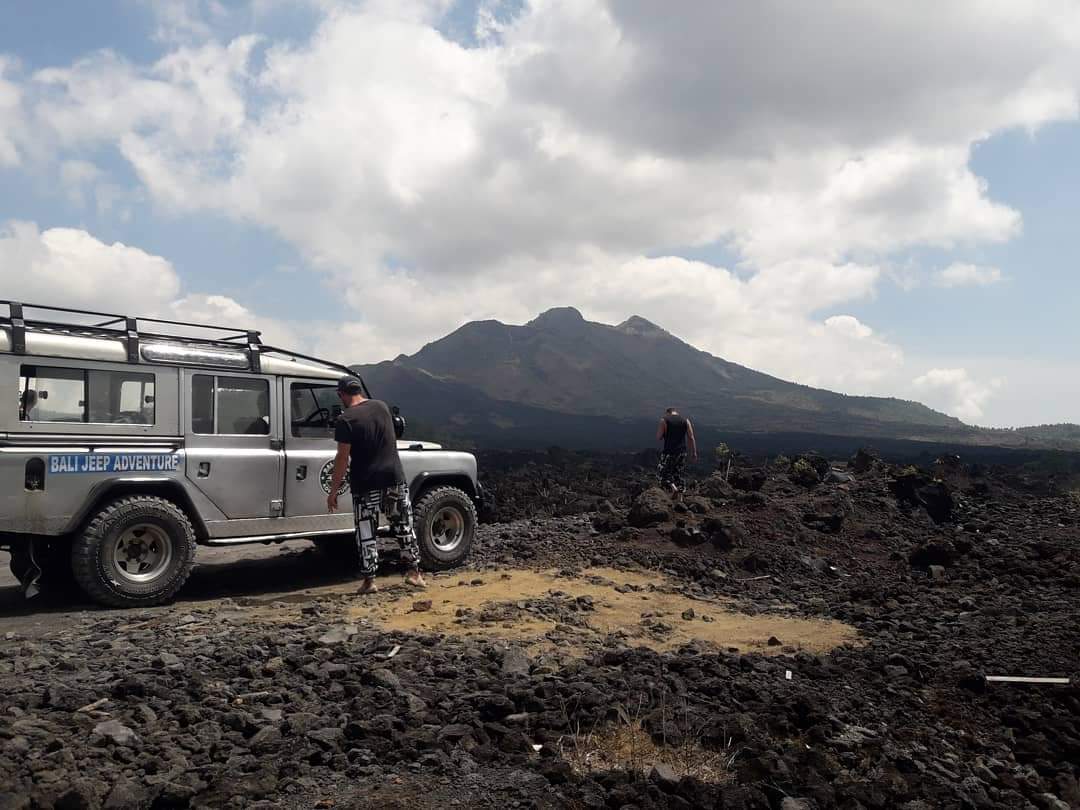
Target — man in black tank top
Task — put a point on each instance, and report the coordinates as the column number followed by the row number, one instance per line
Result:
column 677, row 433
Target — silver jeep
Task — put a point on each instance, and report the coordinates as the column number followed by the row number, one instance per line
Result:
column 126, row 442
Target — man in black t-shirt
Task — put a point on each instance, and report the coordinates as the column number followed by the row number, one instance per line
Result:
column 677, row 433
column 367, row 448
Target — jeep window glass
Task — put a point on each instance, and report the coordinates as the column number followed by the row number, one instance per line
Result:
column 230, row 405
column 243, row 406
column 202, row 404
column 49, row 394
column 120, row 397
column 313, row 409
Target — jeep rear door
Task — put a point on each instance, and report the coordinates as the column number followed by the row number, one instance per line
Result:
column 311, row 407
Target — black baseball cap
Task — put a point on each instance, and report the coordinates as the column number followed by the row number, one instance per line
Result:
column 350, row 385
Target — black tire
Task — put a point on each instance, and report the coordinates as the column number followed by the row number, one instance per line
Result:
column 156, row 528
column 431, row 513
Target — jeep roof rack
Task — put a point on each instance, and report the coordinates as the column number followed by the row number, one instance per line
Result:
column 86, row 323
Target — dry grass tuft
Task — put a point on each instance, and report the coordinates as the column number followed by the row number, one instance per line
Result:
column 626, row 746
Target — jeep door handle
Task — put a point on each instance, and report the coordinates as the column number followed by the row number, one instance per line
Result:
column 301, row 472
column 203, row 470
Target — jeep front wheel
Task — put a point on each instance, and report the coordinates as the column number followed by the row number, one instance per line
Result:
column 135, row 552
column 445, row 522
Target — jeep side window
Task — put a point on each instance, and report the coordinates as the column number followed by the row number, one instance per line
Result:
column 313, row 409
column 50, row 394
column 230, row 405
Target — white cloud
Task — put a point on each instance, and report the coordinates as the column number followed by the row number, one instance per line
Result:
column 434, row 183
column 185, row 20
column 959, row 274
column 69, row 267
column 11, row 117
column 956, row 392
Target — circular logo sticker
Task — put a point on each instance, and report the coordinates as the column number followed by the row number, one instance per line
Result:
column 327, row 476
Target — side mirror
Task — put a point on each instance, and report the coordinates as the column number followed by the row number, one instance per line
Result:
column 399, row 421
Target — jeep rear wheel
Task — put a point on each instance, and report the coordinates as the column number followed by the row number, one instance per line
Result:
column 445, row 522
column 135, row 552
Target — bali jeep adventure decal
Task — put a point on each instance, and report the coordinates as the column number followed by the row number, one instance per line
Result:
column 113, row 462
column 327, row 475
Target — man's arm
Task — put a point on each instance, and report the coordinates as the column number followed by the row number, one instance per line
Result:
column 341, row 465
column 690, row 440
column 661, row 429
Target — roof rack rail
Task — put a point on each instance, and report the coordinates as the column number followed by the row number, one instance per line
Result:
column 89, row 323
column 126, row 328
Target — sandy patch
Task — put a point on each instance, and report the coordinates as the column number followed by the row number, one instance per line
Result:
column 543, row 610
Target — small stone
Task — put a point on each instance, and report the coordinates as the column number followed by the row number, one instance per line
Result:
column 167, row 660
column 515, row 662
column 330, row 738
column 270, row 715
column 265, row 739
column 116, row 732
column 386, row 679
column 663, row 775
column 774, row 641
column 338, row 635
column 937, row 573
column 421, row 606
column 125, row 794
column 454, row 731
column 689, row 614
column 80, row 796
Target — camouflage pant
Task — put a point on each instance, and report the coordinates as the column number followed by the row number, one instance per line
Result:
column 670, row 469
column 395, row 504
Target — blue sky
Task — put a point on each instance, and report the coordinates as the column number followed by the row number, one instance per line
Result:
column 494, row 159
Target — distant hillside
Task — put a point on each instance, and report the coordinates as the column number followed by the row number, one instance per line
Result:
column 573, row 380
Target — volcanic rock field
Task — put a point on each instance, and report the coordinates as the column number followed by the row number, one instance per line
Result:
column 800, row 635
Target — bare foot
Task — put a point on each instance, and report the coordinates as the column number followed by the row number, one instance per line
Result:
column 416, row 579
column 368, row 586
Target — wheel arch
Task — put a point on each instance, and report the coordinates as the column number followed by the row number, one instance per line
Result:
column 427, row 481
column 168, row 488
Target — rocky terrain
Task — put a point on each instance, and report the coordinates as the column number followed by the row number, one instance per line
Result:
column 802, row 635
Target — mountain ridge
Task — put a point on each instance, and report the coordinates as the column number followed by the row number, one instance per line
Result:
column 491, row 377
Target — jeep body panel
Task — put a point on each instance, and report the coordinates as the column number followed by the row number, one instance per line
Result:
column 238, row 478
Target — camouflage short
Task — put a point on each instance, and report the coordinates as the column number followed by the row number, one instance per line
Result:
column 670, row 470
column 394, row 503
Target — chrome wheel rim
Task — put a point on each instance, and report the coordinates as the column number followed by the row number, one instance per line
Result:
column 141, row 552
column 447, row 528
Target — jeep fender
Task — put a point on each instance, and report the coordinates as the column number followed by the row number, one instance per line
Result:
column 426, row 480
column 114, row 488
